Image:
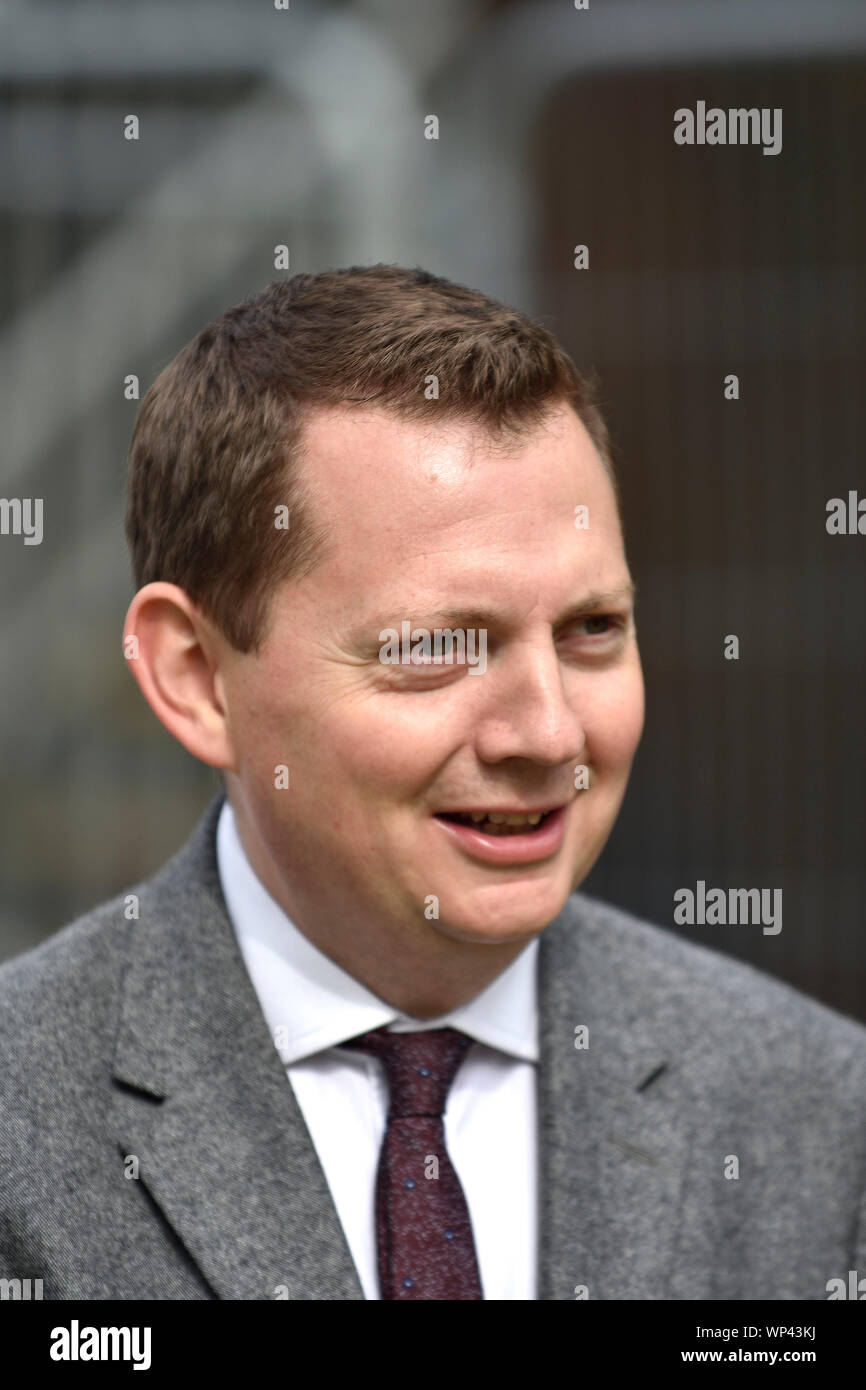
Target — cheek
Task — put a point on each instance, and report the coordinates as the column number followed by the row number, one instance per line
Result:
column 380, row 745
column 614, row 730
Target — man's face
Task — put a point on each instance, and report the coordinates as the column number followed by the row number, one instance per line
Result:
column 432, row 526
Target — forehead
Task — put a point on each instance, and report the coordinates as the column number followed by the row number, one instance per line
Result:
column 413, row 502
column 374, row 477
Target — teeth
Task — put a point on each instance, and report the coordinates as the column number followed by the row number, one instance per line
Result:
column 503, row 822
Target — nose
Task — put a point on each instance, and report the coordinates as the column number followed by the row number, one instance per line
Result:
column 527, row 711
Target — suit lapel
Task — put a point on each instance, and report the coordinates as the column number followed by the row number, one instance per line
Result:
column 205, row 1105
column 613, row 1125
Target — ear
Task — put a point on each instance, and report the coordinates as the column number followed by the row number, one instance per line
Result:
column 170, row 649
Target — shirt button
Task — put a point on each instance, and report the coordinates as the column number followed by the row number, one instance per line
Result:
column 410, row 1182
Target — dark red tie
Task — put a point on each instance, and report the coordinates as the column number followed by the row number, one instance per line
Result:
column 424, row 1235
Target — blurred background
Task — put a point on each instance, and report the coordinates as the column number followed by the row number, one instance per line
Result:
column 305, row 127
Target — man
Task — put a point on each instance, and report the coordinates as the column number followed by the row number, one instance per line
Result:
column 361, row 1038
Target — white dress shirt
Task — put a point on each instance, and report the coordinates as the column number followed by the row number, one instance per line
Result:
column 311, row 1005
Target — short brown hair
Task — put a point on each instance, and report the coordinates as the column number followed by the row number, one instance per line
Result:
column 215, row 448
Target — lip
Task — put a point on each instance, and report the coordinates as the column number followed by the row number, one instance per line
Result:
column 501, row 810
column 538, row 844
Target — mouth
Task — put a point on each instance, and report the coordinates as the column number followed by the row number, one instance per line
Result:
column 507, row 838
column 500, row 823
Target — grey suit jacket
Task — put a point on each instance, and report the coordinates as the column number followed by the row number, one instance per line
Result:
column 139, row 1047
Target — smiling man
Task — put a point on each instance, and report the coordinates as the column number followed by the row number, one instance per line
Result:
column 362, row 1038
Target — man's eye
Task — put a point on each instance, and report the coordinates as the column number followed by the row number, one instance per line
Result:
column 454, row 655
column 607, row 622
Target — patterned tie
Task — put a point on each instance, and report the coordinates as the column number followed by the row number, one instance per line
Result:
column 424, row 1235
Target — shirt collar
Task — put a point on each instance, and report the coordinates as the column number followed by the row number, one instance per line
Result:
column 310, row 1003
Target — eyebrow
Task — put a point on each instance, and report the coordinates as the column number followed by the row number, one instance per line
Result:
column 591, row 602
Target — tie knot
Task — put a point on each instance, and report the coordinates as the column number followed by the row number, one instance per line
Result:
column 419, row 1066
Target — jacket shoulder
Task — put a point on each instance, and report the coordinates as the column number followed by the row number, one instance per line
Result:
column 695, row 993
column 71, row 980
column 59, row 997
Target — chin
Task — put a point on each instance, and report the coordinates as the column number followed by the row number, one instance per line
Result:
column 486, row 936
column 505, row 915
